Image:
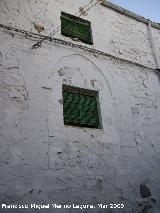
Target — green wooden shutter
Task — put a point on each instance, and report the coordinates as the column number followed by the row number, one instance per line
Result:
column 88, row 111
column 80, row 107
column 71, row 108
column 76, row 27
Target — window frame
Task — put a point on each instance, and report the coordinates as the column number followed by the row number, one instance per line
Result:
column 84, row 92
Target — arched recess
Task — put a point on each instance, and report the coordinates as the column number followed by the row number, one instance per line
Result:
column 72, row 60
column 79, row 71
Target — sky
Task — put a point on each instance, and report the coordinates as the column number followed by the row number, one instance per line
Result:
column 149, row 9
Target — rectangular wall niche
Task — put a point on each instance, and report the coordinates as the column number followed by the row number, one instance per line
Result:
column 76, row 27
column 80, row 107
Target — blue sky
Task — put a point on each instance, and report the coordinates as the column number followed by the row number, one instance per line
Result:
column 150, row 9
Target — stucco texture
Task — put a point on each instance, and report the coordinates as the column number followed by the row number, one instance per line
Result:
column 44, row 161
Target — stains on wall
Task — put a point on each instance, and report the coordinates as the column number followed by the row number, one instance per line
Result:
column 145, row 191
column 147, row 203
column 60, row 101
column 39, row 28
column 12, row 84
column 93, row 82
column 61, row 72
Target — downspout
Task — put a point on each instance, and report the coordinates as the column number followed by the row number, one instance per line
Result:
column 153, row 47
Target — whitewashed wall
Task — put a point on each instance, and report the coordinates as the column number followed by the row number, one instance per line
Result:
column 113, row 32
column 43, row 161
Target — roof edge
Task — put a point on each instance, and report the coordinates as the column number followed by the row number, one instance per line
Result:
column 129, row 13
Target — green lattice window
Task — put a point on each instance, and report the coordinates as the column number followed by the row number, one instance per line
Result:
column 76, row 27
column 80, row 107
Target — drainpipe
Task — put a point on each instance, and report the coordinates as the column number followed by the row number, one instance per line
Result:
column 153, row 47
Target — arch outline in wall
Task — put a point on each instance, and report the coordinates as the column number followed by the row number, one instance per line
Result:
column 96, row 68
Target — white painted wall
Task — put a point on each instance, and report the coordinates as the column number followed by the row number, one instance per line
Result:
column 113, row 32
column 43, row 161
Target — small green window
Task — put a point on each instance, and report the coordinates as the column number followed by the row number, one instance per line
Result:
column 75, row 27
column 80, row 107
